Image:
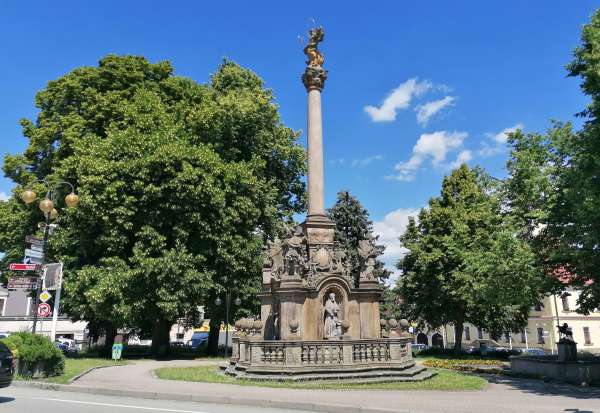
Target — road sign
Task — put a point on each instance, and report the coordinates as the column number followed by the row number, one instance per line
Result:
column 52, row 278
column 37, row 247
column 44, row 310
column 28, row 283
column 23, row 267
column 33, row 240
column 33, row 254
column 31, row 260
column 45, row 296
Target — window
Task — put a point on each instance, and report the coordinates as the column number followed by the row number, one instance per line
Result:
column 540, row 334
column 586, row 336
column 538, row 307
column 467, row 333
column 495, row 336
column 523, row 336
column 507, row 337
column 179, row 336
column 479, row 333
column 565, row 303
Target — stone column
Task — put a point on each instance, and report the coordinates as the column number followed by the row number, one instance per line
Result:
column 314, row 80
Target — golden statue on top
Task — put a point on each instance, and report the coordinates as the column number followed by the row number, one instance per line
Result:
column 315, row 57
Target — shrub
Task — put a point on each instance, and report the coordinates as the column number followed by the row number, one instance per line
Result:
column 470, row 365
column 36, row 352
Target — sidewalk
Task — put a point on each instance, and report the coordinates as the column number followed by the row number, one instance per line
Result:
column 503, row 395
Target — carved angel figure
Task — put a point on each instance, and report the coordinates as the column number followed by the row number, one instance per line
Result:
column 315, row 57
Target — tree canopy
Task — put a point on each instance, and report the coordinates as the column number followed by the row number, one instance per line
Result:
column 180, row 183
column 465, row 262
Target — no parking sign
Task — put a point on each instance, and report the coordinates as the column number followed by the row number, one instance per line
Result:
column 44, row 310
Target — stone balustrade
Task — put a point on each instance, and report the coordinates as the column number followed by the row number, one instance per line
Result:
column 251, row 351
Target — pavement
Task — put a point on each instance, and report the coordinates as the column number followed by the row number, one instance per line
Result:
column 27, row 400
column 503, row 394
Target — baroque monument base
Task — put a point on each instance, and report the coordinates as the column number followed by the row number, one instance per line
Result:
column 359, row 361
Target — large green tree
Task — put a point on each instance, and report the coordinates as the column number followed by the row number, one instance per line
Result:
column 352, row 225
column 180, row 183
column 465, row 262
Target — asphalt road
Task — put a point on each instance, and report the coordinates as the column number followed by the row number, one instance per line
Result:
column 27, row 400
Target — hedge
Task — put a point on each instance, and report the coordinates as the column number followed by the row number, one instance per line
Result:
column 35, row 352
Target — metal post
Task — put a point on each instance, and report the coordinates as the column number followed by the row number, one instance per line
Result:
column 227, row 299
column 526, row 340
column 40, row 272
column 55, row 313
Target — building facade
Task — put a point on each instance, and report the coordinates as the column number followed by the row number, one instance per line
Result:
column 541, row 331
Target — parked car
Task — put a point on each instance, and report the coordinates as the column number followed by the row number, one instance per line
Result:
column 66, row 345
column 533, row 352
column 4, row 334
column 416, row 348
column 7, row 366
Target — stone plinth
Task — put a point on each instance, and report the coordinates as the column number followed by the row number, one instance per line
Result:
column 567, row 351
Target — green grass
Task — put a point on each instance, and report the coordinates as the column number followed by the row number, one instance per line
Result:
column 444, row 380
column 74, row 367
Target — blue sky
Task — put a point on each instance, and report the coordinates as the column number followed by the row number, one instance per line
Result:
column 413, row 87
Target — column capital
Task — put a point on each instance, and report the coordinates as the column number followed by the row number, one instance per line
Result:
column 314, row 78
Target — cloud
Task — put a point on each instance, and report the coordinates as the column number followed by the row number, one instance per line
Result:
column 502, row 136
column 367, row 160
column 339, row 161
column 389, row 230
column 3, row 196
column 434, row 146
column 429, row 109
column 497, row 142
column 463, row 157
column 398, row 98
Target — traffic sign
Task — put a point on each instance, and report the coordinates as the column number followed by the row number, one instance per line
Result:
column 33, row 240
column 44, row 310
column 33, row 254
column 23, row 267
column 117, row 349
column 31, row 260
column 52, row 277
column 45, row 296
column 37, row 247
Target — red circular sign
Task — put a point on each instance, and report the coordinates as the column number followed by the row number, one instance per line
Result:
column 44, row 310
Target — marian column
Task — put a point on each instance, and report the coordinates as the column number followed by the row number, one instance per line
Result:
column 314, row 80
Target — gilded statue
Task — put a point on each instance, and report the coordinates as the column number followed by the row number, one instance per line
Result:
column 311, row 50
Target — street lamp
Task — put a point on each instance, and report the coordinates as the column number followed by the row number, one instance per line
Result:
column 218, row 302
column 47, row 206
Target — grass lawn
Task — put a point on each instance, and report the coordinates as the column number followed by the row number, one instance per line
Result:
column 444, row 380
column 74, row 367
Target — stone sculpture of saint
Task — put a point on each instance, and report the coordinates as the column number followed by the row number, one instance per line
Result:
column 332, row 323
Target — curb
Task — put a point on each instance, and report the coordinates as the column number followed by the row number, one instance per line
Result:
column 80, row 375
column 239, row 401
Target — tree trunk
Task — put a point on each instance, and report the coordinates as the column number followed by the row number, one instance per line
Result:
column 458, row 334
column 213, row 339
column 160, row 338
column 110, row 332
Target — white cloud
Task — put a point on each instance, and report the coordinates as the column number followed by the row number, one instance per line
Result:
column 339, row 161
column 389, row 230
column 434, row 146
column 463, row 157
column 3, row 196
column 502, row 136
column 429, row 109
column 497, row 142
column 367, row 160
column 397, row 99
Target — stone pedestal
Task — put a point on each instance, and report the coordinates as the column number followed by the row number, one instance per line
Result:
column 567, row 351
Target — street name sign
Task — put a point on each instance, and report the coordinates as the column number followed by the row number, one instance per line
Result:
column 27, row 283
column 31, row 260
column 33, row 254
column 33, row 240
column 37, row 247
column 23, row 267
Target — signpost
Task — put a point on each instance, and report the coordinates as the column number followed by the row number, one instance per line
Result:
column 23, row 267
column 52, row 280
column 44, row 310
column 28, row 283
column 33, row 253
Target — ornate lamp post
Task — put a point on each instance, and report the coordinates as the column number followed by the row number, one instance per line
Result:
column 47, row 206
column 218, row 302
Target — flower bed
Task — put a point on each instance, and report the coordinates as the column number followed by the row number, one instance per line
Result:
column 470, row 365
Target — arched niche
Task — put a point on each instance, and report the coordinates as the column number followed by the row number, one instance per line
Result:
column 341, row 296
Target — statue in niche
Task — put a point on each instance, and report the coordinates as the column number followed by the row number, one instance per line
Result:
column 332, row 327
